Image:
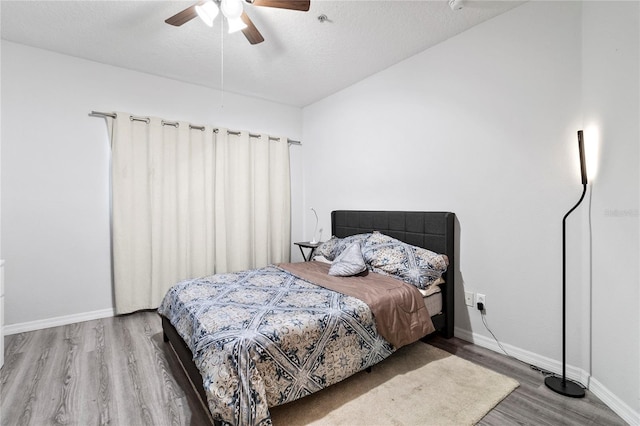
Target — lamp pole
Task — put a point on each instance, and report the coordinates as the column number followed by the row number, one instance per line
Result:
column 560, row 384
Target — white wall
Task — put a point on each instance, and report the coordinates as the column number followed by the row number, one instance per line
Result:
column 55, row 218
column 611, row 91
column 484, row 125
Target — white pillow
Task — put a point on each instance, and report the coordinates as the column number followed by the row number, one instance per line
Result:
column 349, row 262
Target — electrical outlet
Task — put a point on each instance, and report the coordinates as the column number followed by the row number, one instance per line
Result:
column 468, row 298
column 481, row 298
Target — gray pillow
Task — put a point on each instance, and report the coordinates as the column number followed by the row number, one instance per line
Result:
column 349, row 262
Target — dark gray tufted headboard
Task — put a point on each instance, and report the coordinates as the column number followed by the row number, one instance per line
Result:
column 430, row 230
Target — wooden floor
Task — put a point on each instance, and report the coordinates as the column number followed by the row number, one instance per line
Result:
column 118, row 371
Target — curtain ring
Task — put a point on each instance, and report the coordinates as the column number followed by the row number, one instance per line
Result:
column 145, row 119
column 170, row 123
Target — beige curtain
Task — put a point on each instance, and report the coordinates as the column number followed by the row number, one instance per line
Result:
column 190, row 202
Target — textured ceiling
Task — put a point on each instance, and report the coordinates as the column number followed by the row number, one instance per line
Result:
column 301, row 61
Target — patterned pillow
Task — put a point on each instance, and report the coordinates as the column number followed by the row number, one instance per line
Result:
column 332, row 248
column 326, row 249
column 414, row 265
column 345, row 242
column 349, row 262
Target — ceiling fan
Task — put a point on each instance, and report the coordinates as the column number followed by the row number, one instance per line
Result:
column 233, row 10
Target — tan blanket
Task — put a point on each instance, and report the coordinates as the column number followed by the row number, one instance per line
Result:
column 398, row 308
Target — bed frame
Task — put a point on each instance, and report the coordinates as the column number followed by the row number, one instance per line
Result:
column 430, row 230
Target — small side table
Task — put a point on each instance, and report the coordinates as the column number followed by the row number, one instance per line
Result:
column 309, row 245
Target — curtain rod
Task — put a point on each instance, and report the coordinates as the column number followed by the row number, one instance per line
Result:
column 176, row 124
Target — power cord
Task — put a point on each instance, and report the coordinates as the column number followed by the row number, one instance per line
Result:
column 545, row 373
column 484, row 321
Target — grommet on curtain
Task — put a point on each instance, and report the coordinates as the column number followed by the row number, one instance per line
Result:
column 144, row 119
column 170, row 123
column 147, row 120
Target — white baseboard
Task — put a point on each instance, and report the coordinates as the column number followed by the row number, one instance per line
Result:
column 57, row 321
column 574, row 373
column 619, row 407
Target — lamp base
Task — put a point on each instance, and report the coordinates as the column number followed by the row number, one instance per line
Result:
column 564, row 387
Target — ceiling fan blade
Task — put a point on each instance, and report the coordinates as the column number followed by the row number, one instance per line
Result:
column 301, row 5
column 251, row 32
column 184, row 16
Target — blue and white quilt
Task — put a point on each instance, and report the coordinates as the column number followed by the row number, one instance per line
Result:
column 264, row 337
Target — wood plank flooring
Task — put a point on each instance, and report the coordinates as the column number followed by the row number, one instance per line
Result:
column 114, row 371
column 118, row 371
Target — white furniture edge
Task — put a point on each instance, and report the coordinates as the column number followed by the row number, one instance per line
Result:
column 618, row 406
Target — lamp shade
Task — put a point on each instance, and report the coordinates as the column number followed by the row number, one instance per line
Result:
column 207, row 12
column 231, row 9
column 583, row 163
column 236, row 24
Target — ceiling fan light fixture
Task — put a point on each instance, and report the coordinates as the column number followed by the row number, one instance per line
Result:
column 235, row 25
column 231, row 9
column 207, row 12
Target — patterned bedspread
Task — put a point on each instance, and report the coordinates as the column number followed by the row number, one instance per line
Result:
column 264, row 337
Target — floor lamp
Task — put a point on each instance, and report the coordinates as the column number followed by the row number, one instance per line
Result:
column 560, row 384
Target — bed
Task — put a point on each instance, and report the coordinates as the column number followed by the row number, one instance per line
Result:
column 255, row 339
